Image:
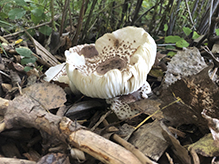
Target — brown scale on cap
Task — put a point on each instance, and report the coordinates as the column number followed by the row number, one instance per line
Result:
column 88, row 51
column 113, row 63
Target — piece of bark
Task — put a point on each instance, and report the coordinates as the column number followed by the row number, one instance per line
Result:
column 149, row 140
column 32, row 155
column 26, row 112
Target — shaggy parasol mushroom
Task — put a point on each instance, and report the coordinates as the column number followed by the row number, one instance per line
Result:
column 116, row 65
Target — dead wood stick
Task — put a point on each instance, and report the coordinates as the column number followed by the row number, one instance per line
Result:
column 26, row 112
column 195, row 157
column 15, row 161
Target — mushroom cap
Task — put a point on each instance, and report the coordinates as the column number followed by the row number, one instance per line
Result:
column 118, row 64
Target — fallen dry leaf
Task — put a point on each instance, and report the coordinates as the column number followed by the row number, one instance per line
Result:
column 48, row 95
column 197, row 92
column 213, row 125
column 149, row 107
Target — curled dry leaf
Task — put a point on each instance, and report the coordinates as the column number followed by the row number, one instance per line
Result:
column 213, row 124
column 49, row 95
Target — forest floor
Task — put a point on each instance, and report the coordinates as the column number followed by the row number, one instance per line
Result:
column 44, row 122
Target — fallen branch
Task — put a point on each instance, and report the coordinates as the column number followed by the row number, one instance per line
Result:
column 23, row 111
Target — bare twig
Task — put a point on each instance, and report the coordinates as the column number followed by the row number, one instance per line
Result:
column 40, row 25
column 195, row 157
column 124, row 11
column 195, row 7
column 5, row 74
column 202, row 40
column 163, row 20
column 137, row 9
column 64, row 15
column 190, row 15
column 52, row 14
column 80, row 20
column 84, row 33
column 204, row 23
column 216, row 61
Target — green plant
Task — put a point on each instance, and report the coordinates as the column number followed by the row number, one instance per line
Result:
column 26, row 57
column 22, row 13
column 217, row 31
column 179, row 41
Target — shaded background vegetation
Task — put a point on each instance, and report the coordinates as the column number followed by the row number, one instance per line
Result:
column 86, row 20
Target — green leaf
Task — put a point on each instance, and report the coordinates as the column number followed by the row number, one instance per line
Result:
column 217, row 31
column 5, row 24
column 170, row 47
column 37, row 12
column 27, row 68
column 35, row 19
column 16, row 13
column 171, row 53
column 25, row 60
column 172, row 39
column 46, row 30
column 37, row 15
column 165, row 27
column 182, row 43
column 3, row 15
column 20, row 2
column 32, row 32
column 187, row 30
column 195, row 35
column 25, row 52
column 5, row 1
